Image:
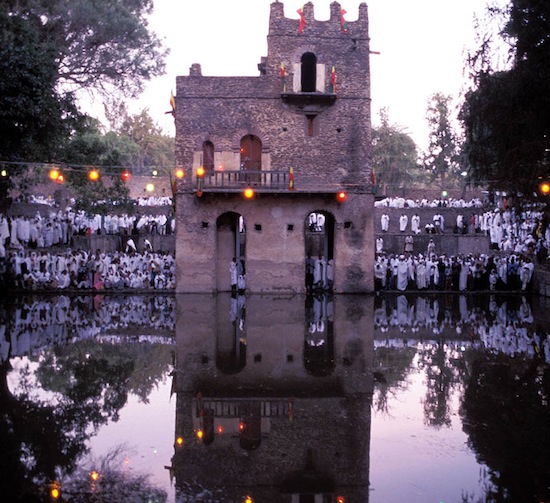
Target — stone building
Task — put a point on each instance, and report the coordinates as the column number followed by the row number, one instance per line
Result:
column 298, row 137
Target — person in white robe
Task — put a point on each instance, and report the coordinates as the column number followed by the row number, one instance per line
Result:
column 402, row 273
column 415, row 224
column 463, row 275
column 421, row 280
column 4, row 234
column 403, row 221
column 385, row 222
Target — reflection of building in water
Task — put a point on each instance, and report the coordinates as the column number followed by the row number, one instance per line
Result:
column 255, row 416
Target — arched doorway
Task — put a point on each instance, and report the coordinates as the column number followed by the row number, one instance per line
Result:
column 319, row 244
column 230, row 246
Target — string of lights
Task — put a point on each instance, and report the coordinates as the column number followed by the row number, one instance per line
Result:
column 57, row 171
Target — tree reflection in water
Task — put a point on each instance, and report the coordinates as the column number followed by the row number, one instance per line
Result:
column 68, row 365
column 496, row 352
column 59, row 384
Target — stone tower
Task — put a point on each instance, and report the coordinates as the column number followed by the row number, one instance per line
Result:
column 298, row 136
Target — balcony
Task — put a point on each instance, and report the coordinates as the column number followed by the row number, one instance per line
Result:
column 309, row 103
column 236, row 181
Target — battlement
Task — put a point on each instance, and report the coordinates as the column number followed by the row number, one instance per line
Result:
column 308, row 26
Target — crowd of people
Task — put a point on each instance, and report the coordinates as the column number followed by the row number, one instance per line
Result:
column 452, row 273
column 508, row 230
column 58, row 227
column 401, row 202
column 78, row 269
column 28, row 258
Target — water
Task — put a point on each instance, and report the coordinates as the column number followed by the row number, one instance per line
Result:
column 185, row 398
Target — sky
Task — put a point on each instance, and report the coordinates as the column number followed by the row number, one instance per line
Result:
column 422, row 45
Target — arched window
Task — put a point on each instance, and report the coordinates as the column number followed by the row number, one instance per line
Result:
column 309, row 72
column 251, row 153
column 208, row 156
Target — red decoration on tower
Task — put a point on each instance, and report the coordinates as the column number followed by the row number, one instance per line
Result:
column 343, row 22
column 302, row 23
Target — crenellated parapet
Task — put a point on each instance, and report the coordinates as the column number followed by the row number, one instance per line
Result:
column 306, row 25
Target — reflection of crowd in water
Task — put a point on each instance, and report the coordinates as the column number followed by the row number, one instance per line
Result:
column 30, row 255
column 38, row 323
column 503, row 325
column 452, row 273
column 319, row 313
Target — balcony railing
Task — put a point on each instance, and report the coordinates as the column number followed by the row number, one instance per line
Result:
column 241, row 179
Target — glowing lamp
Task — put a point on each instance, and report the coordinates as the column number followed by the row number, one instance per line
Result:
column 150, row 187
column 340, row 499
column 200, row 434
column 179, row 441
column 341, row 196
column 125, row 176
column 93, row 175
column 155, row 172
column 241, row 426
column 220, row 429
column 544, row 188
column 444, row 193
column 179, row 173
column 55, row 492
column 200, row 171
column 4, row 172
column 248, row 193
column 60, row 178
column 248, row 499
column 54, row 174
column 94, row 475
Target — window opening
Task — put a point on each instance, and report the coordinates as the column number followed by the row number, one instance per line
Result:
column 309, row 72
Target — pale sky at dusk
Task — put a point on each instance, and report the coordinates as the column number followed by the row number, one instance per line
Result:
column 421, row 43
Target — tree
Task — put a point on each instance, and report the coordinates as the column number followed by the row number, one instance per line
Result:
column 155, row 148
column 34, row 115
column 506, row 112
column 97, row 45
column 442, row 157
column 136, row 144
column 52, row 50
column 394, row 153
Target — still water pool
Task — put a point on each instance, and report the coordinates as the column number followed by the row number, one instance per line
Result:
column 192, row 398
